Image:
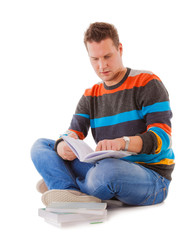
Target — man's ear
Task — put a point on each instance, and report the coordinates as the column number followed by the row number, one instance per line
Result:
column 120, row 49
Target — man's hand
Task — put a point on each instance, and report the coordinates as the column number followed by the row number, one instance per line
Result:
column 117, row 144
column 113, row 144
column 64, row 151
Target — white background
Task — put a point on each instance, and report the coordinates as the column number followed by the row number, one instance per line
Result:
column 44, row 70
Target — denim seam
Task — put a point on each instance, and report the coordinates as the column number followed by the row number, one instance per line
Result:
column 107, row 183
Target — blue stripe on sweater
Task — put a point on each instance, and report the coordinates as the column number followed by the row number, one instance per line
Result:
column 164, row 137
column 156, row 107
column 116, row 119
column 128, row 116
column 152, row 158
column 83, row 115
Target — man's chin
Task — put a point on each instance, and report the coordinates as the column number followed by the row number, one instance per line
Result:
column 108, row 82
column 106, row 79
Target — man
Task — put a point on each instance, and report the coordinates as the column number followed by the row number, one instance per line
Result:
column 128, row 110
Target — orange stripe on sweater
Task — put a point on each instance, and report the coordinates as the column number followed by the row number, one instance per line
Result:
column 131, row 82
column 80, row 134
column 164, row 126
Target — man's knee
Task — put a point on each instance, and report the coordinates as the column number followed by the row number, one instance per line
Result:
column 104, row 172
column 39, row 147
column 109, row 171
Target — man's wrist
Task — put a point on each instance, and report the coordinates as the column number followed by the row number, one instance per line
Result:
column 122, row 144
column 125, row 143
column 56, row 144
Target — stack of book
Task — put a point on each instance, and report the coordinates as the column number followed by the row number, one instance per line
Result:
column 58, row 213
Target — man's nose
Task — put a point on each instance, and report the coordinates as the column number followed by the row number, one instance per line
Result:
column 102, row 64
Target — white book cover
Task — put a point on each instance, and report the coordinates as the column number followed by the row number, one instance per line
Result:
column 86, row 154
column 69, row 217
column 59, row 224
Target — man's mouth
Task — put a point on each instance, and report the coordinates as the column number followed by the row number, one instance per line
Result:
column 105, row 72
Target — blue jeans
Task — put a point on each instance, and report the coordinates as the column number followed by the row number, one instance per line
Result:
column 109, row 178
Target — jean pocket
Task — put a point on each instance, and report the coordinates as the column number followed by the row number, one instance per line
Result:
column 156, row 198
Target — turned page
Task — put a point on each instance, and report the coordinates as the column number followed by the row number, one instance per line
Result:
column 79, row 147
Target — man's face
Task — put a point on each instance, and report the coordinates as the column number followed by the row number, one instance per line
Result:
column 105, row 59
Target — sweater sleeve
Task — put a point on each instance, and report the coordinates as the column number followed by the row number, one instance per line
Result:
column 80, row 122
column 155, row 109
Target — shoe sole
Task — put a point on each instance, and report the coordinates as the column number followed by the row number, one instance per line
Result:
column 65, row 196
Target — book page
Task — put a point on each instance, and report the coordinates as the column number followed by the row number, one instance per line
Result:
column 79, row 147
column 93, row 157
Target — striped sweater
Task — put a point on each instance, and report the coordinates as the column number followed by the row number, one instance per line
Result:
column 137, row 105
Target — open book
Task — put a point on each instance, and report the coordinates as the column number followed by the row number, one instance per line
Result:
column 86, row 154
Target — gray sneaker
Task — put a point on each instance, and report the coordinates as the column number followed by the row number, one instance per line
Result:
column 67, row 196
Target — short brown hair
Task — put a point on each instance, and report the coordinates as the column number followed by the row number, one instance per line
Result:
column 99, row 31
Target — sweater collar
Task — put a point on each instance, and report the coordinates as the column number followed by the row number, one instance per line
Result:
column 119, row 83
